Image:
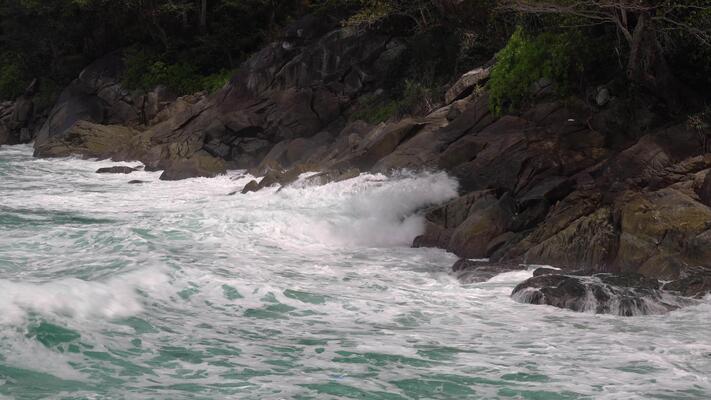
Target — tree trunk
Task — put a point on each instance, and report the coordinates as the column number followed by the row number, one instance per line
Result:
column 203, row 16
column 647, row 66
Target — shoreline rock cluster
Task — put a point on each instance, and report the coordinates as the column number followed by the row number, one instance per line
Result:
column 575, row 184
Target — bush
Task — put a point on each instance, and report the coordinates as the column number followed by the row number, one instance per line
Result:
column 12, row 81
column 526, row 60
column 215, row 82
column 145, row 71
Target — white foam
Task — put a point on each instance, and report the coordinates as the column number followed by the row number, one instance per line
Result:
column 75, row 298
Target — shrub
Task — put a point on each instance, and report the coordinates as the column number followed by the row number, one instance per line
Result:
column 146, row 71
column 215, row 82
column 527, row 59
column 12, row 81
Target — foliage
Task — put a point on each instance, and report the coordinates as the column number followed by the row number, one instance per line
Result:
column 524, row 61
column 12, row 79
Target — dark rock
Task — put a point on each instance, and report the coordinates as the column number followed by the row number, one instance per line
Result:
column 624, row 295
column 199, row 165
column 488, row 218
column 94, row 141
column 464, row 85
column 116, row 170
column 252, row 186
column 474, row 271
column 332, row 176
column 695, row 283
column 136, row 182
column 547, row 271
column 662, row 232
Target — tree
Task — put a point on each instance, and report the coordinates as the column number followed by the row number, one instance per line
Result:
column 648, row 27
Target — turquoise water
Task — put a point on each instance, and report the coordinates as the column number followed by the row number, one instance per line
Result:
column 175, row 290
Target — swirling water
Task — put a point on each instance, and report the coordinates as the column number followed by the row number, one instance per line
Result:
column 176, row 290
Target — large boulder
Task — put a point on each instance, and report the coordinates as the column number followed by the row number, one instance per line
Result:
column 96, row 96
column 92, row 140
column 200, row 164
column 662, row 233
column 624, row 295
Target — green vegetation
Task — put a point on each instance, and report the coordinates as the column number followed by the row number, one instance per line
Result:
column 525, row 60
column 11, row 79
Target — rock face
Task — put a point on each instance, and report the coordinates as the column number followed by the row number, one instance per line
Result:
column 291, row 95
column 19, row 119
column 624, row 295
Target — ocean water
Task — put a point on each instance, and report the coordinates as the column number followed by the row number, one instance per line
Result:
column 176, row 290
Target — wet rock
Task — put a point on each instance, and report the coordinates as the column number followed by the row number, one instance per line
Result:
column 116, row 170
column 136, row 182
column 662, row 232
column 696, row 283
column 199, row 165
column 440, row 222
column 585, row 242
column 475, row 271
column 93, row 140
column 623, row 294
column 252, row 186
column 332, row 176
column 488, row 218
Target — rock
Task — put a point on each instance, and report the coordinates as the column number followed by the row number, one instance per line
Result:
column 199, row 165
column 136, row 182
column 92, row 140
column 96, row 96
column 603, row 96
column 466, row 84
column 547, row 271
column 587, row 242
column 488, row 218
column 252, row 186
column 379, row 143
column 474, row 271
column 695, row 283
column 116, row 170
column 332, row 176
column 440, row 222
column 704, row 191
column 623, row 295
column 662, row 232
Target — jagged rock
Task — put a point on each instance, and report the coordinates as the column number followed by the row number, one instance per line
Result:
column 585, row 242
column 466, row 83
column 379, row 143
column 695, row 282
column 474, row 271
column 332, row 176
column 488, row 218
column 251, row 186
column 116, row 170
column 440, row 222
column 662, row 232
column 95, row 96
column 624, row 295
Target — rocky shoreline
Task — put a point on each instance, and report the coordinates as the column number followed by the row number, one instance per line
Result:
column 603, row 185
